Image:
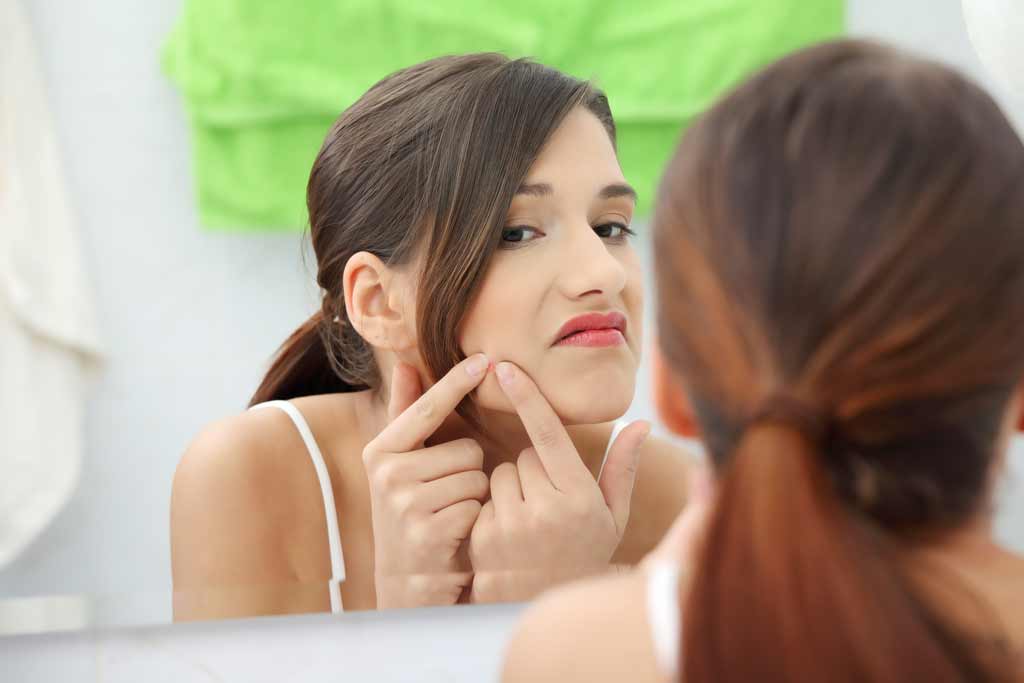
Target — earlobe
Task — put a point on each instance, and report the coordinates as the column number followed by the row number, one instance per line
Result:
column 670, row 399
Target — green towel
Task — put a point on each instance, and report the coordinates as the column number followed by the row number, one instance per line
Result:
column 263, row 81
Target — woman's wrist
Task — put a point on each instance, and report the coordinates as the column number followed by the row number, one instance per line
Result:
column 420, row 590
column 519, row 585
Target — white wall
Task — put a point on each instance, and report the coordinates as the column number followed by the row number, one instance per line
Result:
column 189, row 318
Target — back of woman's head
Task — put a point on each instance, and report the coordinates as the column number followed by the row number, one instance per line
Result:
column 424, row 166
column 840, row 265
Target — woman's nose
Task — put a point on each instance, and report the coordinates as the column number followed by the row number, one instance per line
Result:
column 590, row 266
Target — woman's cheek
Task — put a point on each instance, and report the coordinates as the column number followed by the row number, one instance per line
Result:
column 489, row 396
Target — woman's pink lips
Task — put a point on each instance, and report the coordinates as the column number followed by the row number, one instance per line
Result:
column 593, row 329
column 594, row 338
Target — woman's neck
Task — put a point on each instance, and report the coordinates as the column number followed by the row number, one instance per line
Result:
column 972, row 544
column 968, row 577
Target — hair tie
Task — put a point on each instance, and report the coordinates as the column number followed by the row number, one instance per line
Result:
column 812, row 422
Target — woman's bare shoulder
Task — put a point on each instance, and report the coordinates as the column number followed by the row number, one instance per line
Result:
column 590, row 631
column 231, row 500
column 243, row 487
column 247, row 522
column 259, row 448
column 246, row 451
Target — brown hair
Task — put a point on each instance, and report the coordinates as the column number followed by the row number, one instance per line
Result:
column 426, row 162
column 840, row 262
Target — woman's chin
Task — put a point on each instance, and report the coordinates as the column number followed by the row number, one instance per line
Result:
column 607, row 411
column 585, row 403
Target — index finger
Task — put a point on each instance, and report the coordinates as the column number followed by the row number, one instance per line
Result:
column 416, row 423
column 555, row 449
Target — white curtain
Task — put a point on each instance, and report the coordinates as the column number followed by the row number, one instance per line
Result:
column 48, row 332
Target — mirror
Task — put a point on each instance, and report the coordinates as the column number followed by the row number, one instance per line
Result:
column 156, row 262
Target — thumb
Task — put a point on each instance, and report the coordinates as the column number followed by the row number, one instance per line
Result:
column 619, row 474
column 405, row 389
column 680, row 541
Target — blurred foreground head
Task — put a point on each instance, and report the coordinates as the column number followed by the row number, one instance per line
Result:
column 840, row 265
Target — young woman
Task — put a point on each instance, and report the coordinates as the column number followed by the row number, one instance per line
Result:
column 840, row 259
column 471, row 228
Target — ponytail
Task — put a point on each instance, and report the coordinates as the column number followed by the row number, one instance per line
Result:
column 303, row 366
column 812, row 240
column 791, row 586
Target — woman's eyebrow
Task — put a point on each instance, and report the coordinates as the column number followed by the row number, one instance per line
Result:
column 608, row 192
column 617, row 190
column 536, row 189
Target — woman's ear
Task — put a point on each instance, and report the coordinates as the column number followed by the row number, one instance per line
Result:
column 670, row 399
column 375, row 303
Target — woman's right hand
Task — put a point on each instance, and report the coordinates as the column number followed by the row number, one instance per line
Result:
column 424, row 501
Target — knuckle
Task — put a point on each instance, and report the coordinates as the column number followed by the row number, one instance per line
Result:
column 474, row 452
column 479, row 483
column 484, row 583
column 403, row 503
column 465, row 519
column 416, row 534
column 369, row 455
column 475, row 551
column 386, row 475
column 500, row 474
column 504, row 469
column 525, row 455
column 577, row 508
column 471, row 509
column 479, row 543
column 631, row 470
column 544, row 516
column 547, row 435
column 425, row 407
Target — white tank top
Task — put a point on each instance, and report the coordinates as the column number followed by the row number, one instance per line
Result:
column 333, row 534
column 663, row 613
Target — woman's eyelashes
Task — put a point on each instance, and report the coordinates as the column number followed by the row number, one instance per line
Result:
column 514, row 237
column 518, row 235
column 614, row 232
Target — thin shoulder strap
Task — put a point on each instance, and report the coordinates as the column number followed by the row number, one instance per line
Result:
column 663, row 614
column 616, row 430
column 333, row 535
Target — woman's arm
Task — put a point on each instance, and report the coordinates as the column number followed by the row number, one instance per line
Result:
column 234, row 505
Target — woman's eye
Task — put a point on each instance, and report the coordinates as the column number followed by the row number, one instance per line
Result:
column 519, row 234
column 613, row 231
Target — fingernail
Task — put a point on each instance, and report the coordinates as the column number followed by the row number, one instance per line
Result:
column 505, row 372
column 477, row 365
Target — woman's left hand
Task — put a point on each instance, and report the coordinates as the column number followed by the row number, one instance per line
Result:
column 548, row 520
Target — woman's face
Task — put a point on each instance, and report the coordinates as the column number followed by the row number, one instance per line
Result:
column 565, row 253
